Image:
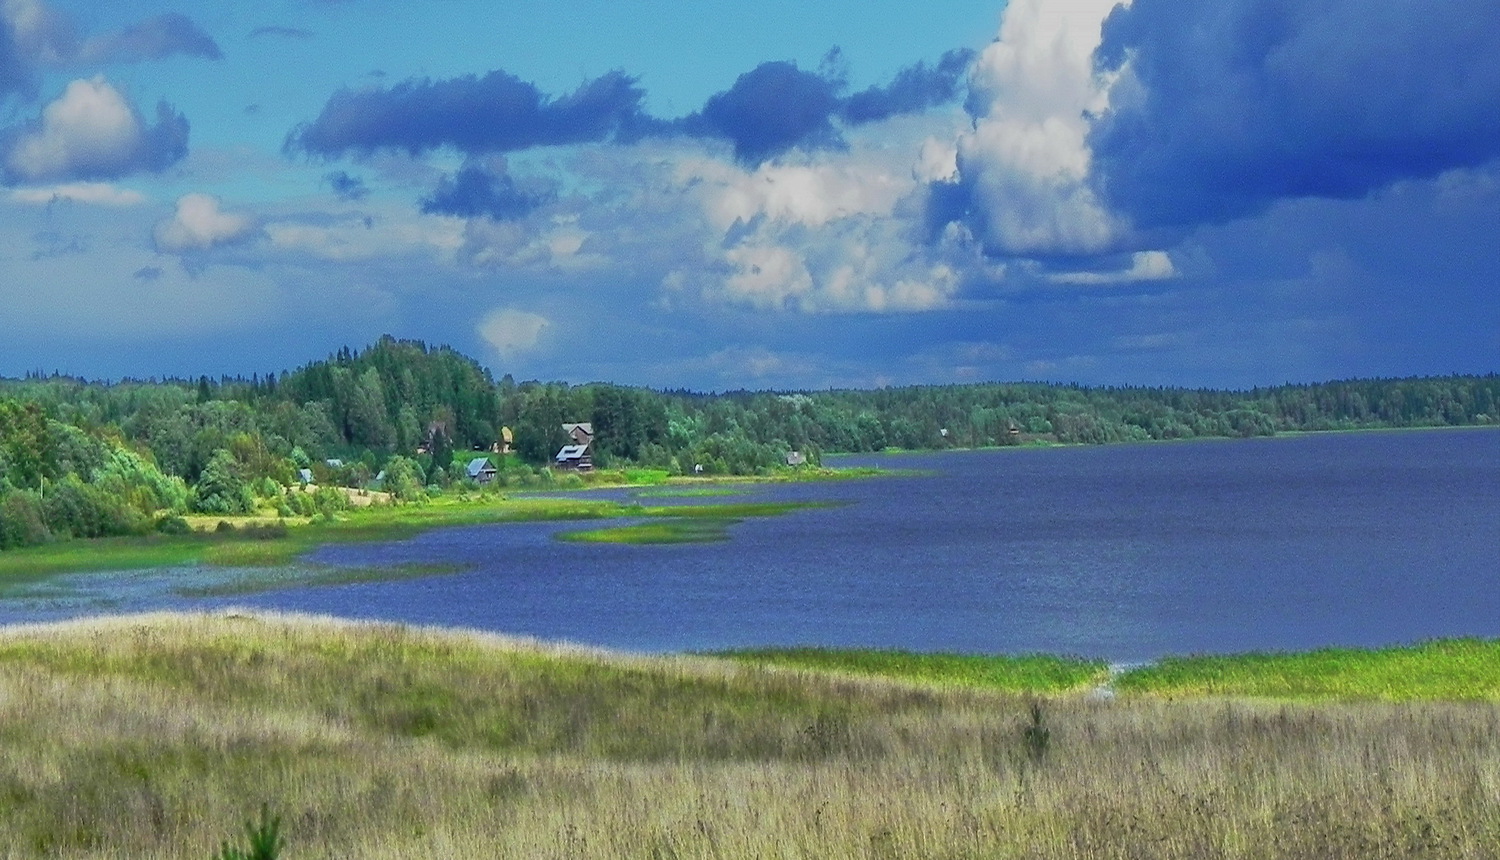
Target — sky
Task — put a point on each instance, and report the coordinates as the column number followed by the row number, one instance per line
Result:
column 710, row 195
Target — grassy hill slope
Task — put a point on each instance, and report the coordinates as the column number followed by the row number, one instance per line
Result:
column 159, row 736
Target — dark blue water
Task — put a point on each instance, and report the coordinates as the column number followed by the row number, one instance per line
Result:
column 1126, row 552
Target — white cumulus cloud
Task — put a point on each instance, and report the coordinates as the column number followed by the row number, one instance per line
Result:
column 90, row 127
column 92, row 131
column 199, row 224
column 1144, row 266
column 1027, row 160
column 512, row 332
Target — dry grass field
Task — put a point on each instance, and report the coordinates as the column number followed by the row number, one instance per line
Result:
column 160, row 736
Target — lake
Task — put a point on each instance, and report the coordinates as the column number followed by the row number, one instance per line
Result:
column 1123, row 552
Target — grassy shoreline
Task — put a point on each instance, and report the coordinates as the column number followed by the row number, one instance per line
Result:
column 258, row 540
column 160, row 735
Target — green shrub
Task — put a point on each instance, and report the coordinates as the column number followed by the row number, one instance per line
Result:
column 262, row 840
column 171, row 524
column 21, row 521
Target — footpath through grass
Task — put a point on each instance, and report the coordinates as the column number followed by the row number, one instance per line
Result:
column 1448, row 669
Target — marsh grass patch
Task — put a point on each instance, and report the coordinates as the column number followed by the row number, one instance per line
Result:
column 1444, row 669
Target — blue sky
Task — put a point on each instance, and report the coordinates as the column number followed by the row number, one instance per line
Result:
column 713, row 195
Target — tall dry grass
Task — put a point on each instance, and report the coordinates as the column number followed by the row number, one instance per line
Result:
column 158, row 736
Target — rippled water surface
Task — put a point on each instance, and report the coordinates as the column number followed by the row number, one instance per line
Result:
column 1124, row 552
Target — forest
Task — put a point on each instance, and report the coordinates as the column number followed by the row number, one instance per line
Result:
column 82, row 459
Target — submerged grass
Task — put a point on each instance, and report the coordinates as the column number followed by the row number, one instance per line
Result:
column 271, row 579
column 251, row 543
column 1452, row 669
column 693, row 530
column 157, row 736
column 1034, row 673
column 685, row 523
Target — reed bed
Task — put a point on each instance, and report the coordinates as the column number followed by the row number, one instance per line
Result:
column 160, row 735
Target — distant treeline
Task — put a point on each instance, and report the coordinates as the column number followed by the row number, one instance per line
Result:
column 84, row 459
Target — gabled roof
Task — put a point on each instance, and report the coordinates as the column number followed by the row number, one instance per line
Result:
column 585, row 426
column 572, row 452
column 480, row 465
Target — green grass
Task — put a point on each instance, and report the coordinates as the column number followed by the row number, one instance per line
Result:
column 161, row 735
column 694, row 530
column 1451, row 669
column 244, row 549
column 685, row 523
column 240, row 548
column 1035, row 673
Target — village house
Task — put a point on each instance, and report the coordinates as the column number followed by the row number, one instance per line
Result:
column 579, row 454
column 481, row 470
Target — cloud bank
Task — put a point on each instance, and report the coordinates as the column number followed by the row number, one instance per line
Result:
column 474, row 192
column 768, row 111
column 476, row 115
column 1220, row 109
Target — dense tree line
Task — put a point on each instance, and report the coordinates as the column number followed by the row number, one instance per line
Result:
column 82, row 459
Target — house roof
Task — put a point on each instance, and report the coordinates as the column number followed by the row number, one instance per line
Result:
column 572, row 452
column 480, row 465
column 585, row 426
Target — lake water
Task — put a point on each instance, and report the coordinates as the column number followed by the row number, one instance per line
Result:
column 1122, row 552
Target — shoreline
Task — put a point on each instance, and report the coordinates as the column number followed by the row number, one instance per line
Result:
column 1462, row 669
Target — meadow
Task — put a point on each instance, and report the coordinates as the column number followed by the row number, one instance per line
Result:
column 161, row 735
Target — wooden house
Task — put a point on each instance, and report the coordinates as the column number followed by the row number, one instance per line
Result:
column 578, row 455
column 481, row 470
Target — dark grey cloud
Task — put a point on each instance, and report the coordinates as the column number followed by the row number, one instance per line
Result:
column 474, row 192
column 15, row 74
column 496, row 113
column 347, row 187
column 162, row 145
column 768, row 111
column 152, row 39
column 49, row 39
column 777, row 107
column 20, row 55
column 1237, row 104
column 915, row 88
